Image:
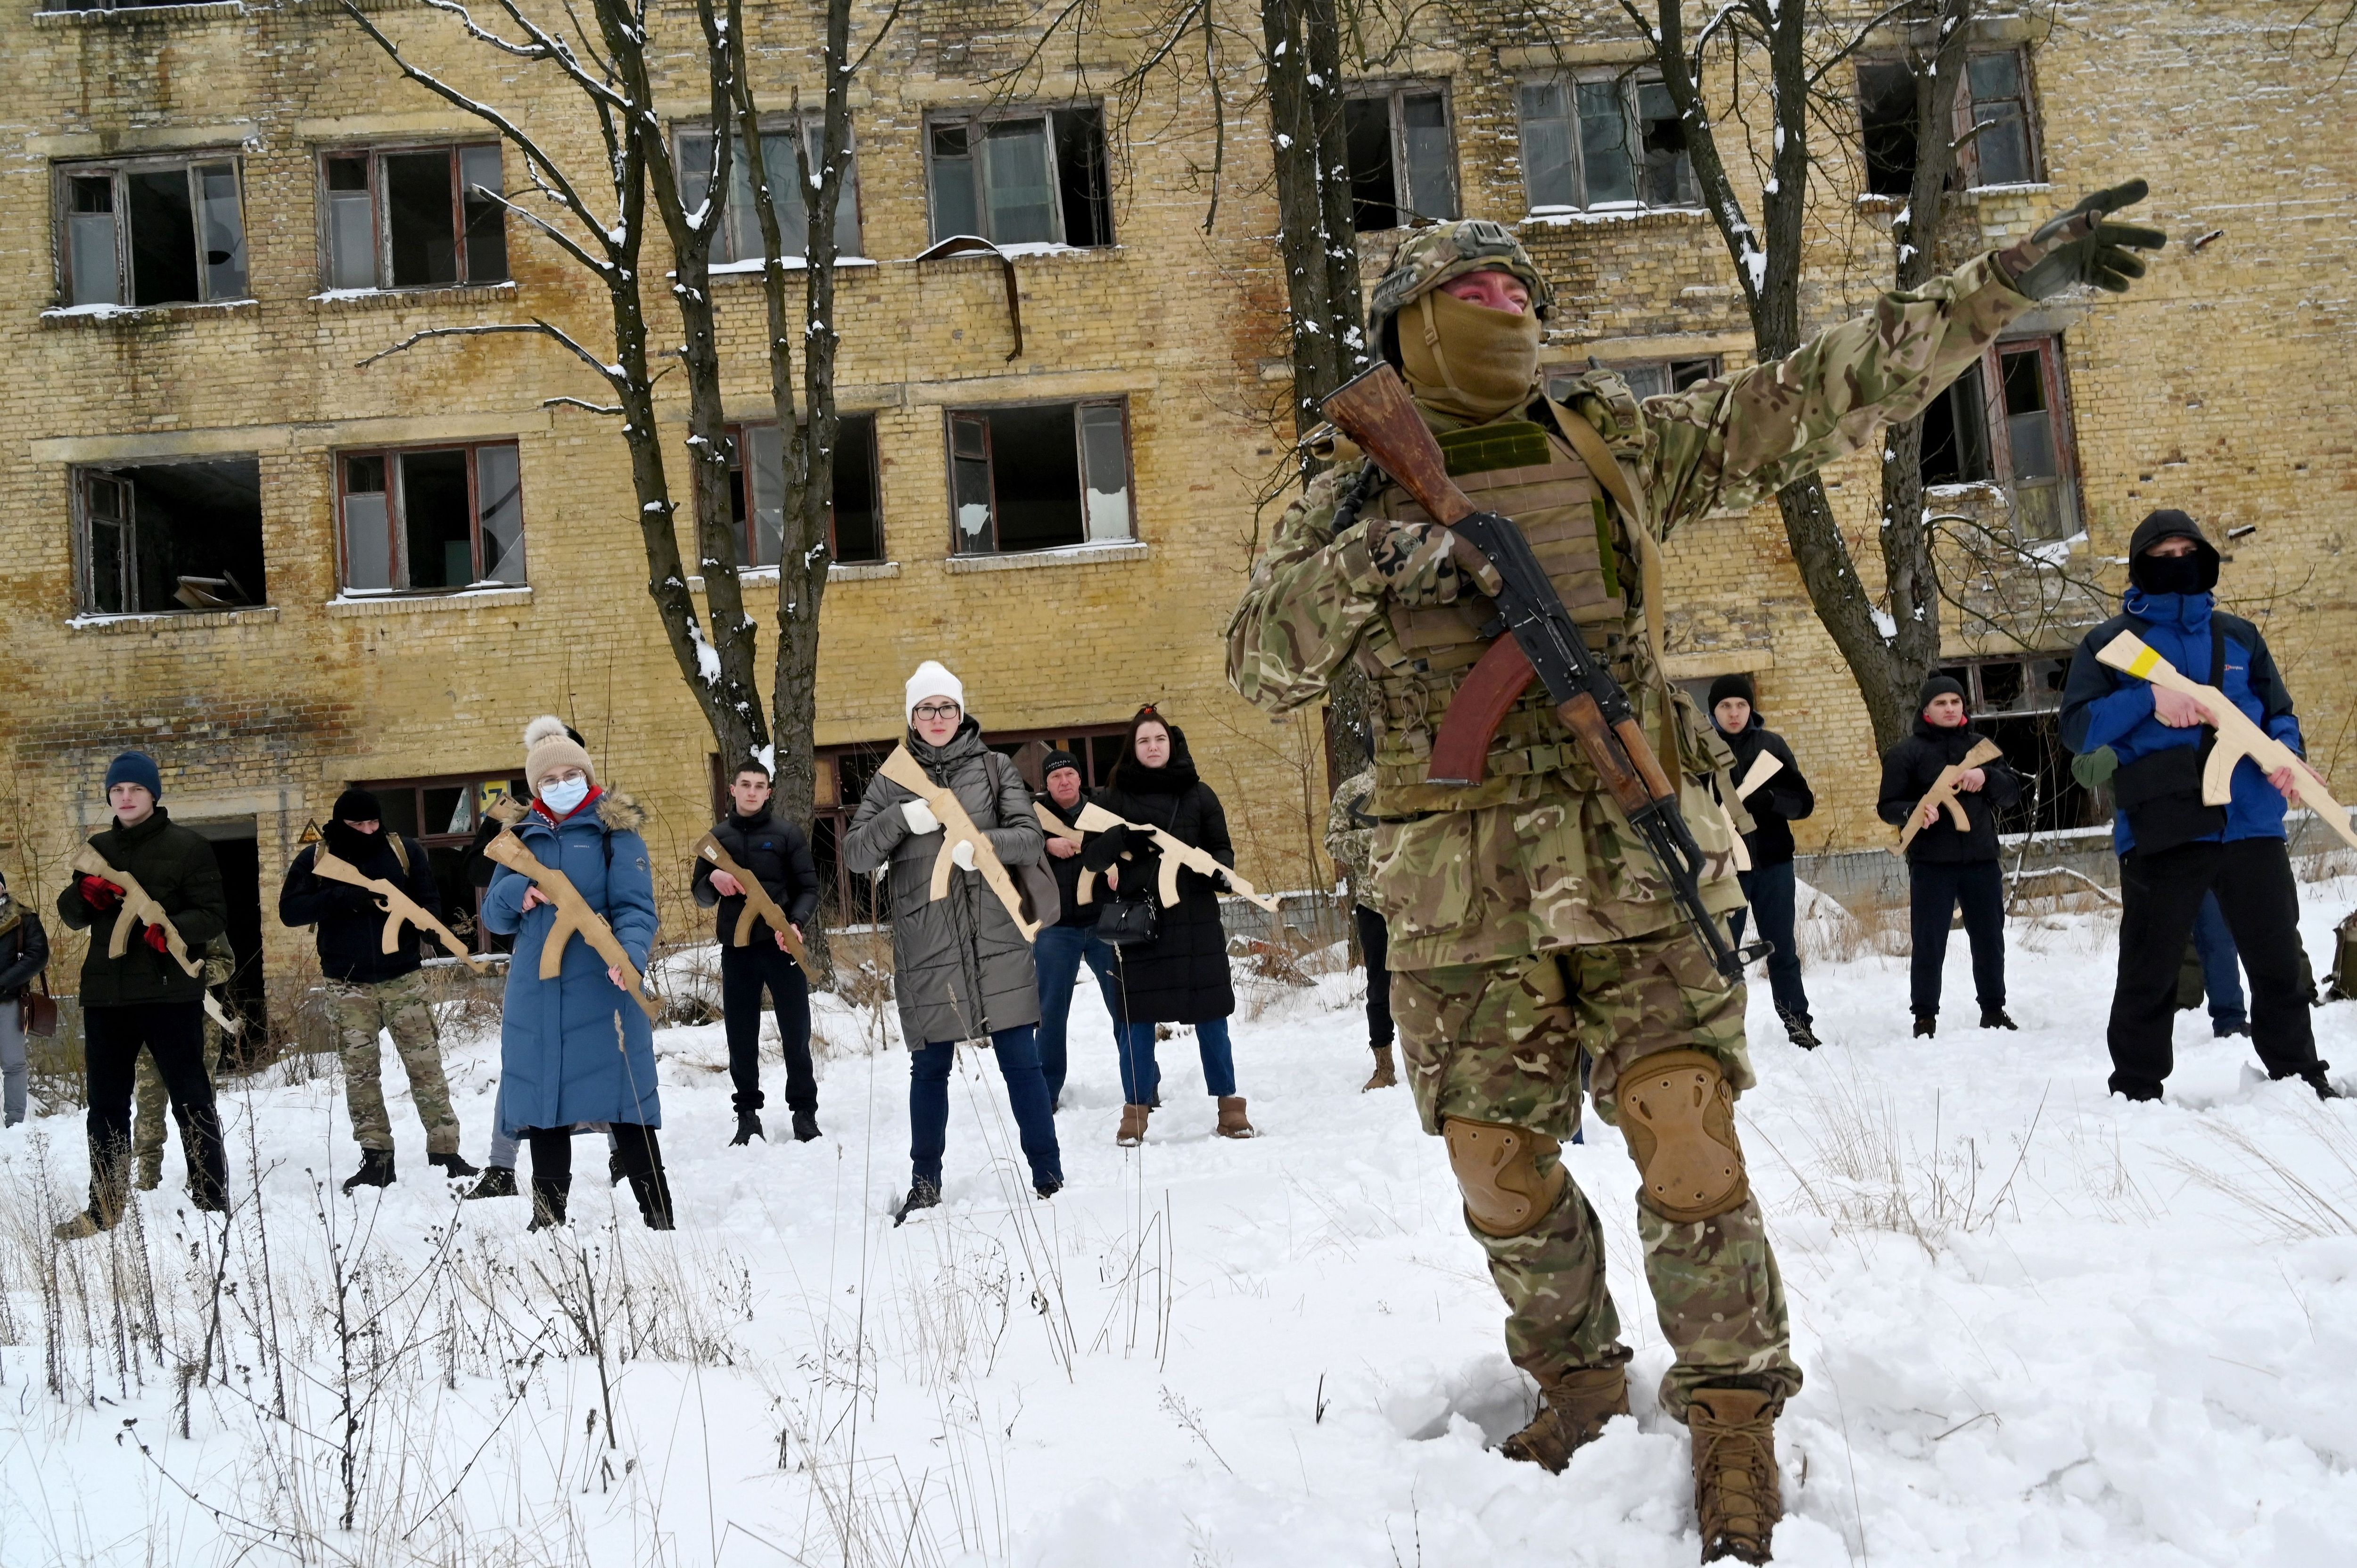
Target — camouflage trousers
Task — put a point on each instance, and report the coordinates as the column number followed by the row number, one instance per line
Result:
column 396, row 1007
column 150, row 1101
column 1502, row 1042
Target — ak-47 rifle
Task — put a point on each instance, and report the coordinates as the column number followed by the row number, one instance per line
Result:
column 758, row 902
column 400, row 909
column 1176, row 852
column 957, row 828
column 572, row 914
column 1943, row 792
column 2238, row 737
column 137, row 905
column 1535, row 636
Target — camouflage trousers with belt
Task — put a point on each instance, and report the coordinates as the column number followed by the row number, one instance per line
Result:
column 151, row 1100
column 1502, row 1042
column 398, row 1007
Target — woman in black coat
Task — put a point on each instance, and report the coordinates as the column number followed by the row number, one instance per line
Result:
column 1181, row 976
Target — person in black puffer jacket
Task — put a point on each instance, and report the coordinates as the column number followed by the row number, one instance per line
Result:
column 1061, row 948
column 774, row 850
column 1947, row 865
column 24, row 954
column 1181, row 976
column 1784, row 799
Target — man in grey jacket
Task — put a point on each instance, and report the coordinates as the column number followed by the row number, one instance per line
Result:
column 962, row 970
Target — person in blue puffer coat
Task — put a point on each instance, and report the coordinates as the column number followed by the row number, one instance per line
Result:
column 578, row 1049
column 2174, row 849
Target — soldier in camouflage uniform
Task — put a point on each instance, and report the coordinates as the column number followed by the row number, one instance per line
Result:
column 148, row 1094
column 1528, row 925
column 1349, row 839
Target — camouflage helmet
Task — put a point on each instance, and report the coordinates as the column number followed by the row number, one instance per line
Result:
column 1430, row 257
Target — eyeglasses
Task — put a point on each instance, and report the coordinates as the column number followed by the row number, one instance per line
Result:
column 937, row 711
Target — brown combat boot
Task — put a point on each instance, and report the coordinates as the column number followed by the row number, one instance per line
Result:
column 1386, row 1076
column 1573, row 1409
column 1132, row 1131
column 109, row 1181
column 1232, row 1118
column 1737, row 1499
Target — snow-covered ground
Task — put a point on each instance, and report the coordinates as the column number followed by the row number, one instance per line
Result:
column 2040, row 1326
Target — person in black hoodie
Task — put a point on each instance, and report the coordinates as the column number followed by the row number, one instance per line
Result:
column 1180, row 976
column 1784, row 799
column 1060, row 949
column 370, row 991
column 1946, row 866
column 775, row 851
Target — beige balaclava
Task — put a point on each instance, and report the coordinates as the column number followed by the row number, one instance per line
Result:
column 1466, row 360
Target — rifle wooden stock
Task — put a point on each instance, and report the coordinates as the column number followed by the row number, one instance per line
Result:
column 136, row 904
column 1764, row 767
column 1943, row 792
column 399, row 908
column 957, row 828
column 1374, row 409
column 758, row 902
column 2238, row 737
column 572, row 914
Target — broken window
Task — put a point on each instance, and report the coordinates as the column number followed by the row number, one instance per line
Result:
column 857, row 528
column 1604, row 142
column 1039, row 476
column 1886, row 126
column 1039, row 178
column 1995, row 105
column 1403, row 159
column 738, row 238
column 157, row 232
column 1956, row 433
column 170, row 535
column 413, row 218
column 435, row 518
column 2005, row 419
column 1649, row 378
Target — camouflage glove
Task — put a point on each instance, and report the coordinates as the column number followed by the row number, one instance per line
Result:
column 2081, row 246
column 1424, row 563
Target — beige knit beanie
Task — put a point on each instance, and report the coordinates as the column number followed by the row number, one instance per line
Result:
column 547, row 746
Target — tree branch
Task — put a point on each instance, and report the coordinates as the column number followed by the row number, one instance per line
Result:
column 534, row 327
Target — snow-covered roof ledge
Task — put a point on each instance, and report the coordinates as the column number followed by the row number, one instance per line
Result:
column 1069, row 555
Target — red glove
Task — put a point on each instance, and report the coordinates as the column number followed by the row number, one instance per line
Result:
column 97, row 891
column 155, row 938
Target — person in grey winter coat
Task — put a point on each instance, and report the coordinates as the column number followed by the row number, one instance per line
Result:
column 577, row 1048
column 962, row 968
column 24, row 954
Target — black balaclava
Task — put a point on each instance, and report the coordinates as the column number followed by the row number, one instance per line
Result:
column 2194, row 573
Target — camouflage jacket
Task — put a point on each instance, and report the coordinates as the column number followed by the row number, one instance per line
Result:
column 1541, row 859
column 1350, row 835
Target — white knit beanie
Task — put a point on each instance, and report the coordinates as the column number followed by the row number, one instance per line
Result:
column 547, row 747
column 932, row 679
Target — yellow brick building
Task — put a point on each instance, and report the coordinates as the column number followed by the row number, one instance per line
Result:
column 211, row 215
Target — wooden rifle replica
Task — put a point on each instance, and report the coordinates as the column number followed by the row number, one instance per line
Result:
column 572, row 914
column 1535, row 636
column 957, row 828
column 1943, row 792
column 1764, row 767
column 2238, row 737
column 1177, row 853
column 400, row 909
column 758, row 902
column 137, row 905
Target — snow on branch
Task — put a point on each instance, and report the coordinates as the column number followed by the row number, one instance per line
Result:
column 536, row 328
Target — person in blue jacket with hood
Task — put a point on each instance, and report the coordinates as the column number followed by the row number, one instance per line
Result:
column 578, row 1049
column 2174, row 849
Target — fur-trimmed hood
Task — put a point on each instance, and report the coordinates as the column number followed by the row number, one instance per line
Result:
column 620, row 813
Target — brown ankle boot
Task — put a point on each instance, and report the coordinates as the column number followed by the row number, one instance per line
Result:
column 1132, row 1131
column 1385, row 1075
column 1573, row 1409
column 1736, row 1497
column 1232, row 1118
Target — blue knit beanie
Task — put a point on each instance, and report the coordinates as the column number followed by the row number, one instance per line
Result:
column 136, row 768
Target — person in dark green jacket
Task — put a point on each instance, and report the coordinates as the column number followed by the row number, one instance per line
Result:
column 145, row 997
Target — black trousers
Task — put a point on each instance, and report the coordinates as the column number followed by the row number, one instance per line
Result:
column 2160, row 895
column 174, row 1034
column 742, row 972
column 1375, row 946
column 1934, row 892
column 1771, row 890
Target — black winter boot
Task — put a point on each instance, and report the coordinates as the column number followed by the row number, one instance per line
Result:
column 376, row 1170
column 453, row 1166
column 749, row 1127
column 1996, row 1019
column 498, row 1181
column 922, row 1194
column 805, row 1126
column 548, row 1198
column 1797, row 1030
column 1926, row 1025
column 2314, row 1078
column 652, row 1189
column 615, row 1169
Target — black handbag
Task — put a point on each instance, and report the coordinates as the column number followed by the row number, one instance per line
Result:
column 2161, row 795
column 1125, row 922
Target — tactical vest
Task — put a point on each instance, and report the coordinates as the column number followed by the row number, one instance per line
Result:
column 1416, row 658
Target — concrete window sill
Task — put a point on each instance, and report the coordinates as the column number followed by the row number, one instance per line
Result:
column 400, row 299
column 172, row 621
column 1072, row 556
column 767, row 576
column 105, row 316
column 425, row 604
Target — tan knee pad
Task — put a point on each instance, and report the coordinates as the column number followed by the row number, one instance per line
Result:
column 1678, row 1114
column 1497, row 1169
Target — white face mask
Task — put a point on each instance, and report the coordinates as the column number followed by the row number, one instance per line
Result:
column 561, row 795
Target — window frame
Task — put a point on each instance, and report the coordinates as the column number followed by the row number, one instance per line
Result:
column 740, row 477
column 380, row 227
column 1968, row 158
column 509, row 783
column 1997, row 438
column 397, row 523
column 63, row 173
column 982, row 118
column 1394, row 93
column 952, row 414
column 1630, row 81
column 1695, row 368
column 745, row 248
column 79, row 478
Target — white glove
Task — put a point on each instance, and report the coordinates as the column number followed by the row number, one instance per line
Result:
column 962, row 853
column 920, row 818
